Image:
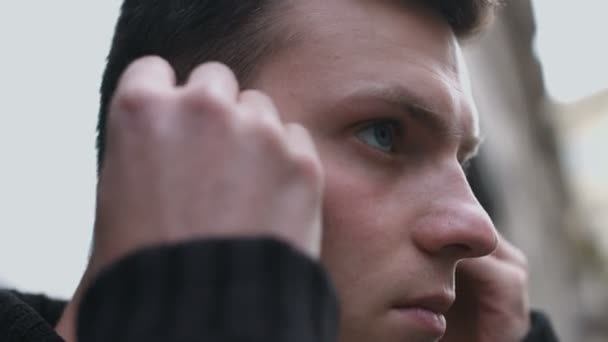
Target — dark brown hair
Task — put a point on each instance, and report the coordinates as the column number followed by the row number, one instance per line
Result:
column 238, row 33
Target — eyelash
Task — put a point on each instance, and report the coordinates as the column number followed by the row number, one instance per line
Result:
column 398, row 127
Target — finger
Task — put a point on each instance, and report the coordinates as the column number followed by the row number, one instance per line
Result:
column 144, row 79
column 301, row 146
column 506, row 251
column 489, row 270
column 150, row 70
column 255, row 102
column 300, row 141
column 494, row 280
column 213, row 82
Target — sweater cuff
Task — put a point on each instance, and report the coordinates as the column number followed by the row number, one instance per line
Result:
column 541, row 329
column 20, row 322
column 212, row 290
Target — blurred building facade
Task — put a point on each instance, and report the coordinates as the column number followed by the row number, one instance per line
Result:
column 524, row 178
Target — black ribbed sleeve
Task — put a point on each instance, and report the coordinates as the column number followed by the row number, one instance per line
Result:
column 209, row 291
column 19, row 322
column 257, row 290
column 541, row 330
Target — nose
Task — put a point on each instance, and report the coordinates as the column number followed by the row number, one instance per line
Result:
column 455, row 225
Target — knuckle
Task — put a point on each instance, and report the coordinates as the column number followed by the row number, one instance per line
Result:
column 151, row 61
column 270, row 135
column 305, row 157
column 258, row 95
column 308, row 167
column 210, row 83
column 517, row 257
column 133, row 112
column 217, row 68
column 520, row 278
column 203, row 99
column 523, row 259
column 151, row 67
column 138, row 98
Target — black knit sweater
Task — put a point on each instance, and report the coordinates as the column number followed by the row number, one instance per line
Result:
column 212, row 291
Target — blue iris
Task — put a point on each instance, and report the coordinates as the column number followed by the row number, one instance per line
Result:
column 379, row 135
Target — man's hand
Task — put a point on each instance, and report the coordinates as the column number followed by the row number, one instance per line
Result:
column 203, row 160
column 491, row 298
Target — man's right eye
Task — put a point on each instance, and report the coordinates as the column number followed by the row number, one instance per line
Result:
column 380, row 135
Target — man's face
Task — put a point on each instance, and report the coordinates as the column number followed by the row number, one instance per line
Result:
column 383, row 90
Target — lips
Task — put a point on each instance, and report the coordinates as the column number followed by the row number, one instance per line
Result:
column 438, row 303
column 425, row 312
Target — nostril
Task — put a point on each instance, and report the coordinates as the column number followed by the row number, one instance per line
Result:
column 471, row 249
column 486, row 242
column 459, row 251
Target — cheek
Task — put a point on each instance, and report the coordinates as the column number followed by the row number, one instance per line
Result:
column 361, row 239
column 365, row 213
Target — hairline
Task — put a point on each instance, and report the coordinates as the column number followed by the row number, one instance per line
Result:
column 269, row 38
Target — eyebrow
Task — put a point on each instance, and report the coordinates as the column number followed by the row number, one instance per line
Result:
column 432, row 111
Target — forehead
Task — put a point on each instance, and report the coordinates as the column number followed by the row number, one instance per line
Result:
column 344, row 46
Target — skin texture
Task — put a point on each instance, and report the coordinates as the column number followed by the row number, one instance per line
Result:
column 397, row 223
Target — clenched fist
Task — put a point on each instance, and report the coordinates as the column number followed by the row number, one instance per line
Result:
column 202, row 160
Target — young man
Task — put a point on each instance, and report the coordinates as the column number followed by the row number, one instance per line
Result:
column 215, row 202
